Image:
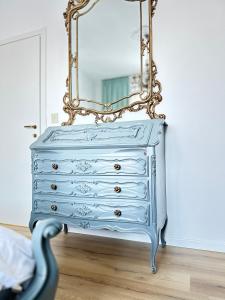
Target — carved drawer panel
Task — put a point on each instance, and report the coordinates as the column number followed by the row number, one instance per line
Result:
column 99, row 212
column 129, row 189
column 101, row 166
column 102, row 135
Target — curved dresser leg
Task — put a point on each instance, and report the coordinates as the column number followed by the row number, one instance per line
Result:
column 32, row 224
column 163, row 241
column 154, row 248
column 65, row 228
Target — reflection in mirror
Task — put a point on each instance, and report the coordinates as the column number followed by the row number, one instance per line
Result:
column 111, row 39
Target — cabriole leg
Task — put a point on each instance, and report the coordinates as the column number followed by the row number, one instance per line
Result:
column 65, row 228
column 163, row 231
column 32, row 224
column 154, row 248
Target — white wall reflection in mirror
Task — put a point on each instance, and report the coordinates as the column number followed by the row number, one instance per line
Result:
column 107, row 38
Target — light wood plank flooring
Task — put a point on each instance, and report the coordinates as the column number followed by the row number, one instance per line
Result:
column 96, row 268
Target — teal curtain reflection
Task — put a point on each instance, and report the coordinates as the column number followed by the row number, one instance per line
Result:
column 114, row 89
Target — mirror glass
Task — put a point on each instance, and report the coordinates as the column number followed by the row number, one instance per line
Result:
column 110, row 48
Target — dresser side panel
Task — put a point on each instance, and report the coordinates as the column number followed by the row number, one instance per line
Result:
column 161, row 180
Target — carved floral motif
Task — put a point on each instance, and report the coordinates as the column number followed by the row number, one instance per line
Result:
column 83, row 210
column 35, row 166
column 153, row 162
column 83, row 166
column 84, row 225
column 83, row 188
column 35, row 185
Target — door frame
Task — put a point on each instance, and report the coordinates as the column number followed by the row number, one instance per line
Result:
column 42, row 35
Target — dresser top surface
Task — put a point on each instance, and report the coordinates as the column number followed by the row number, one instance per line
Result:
column 121, row 134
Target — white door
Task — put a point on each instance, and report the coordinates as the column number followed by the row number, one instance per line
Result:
column 20, row 105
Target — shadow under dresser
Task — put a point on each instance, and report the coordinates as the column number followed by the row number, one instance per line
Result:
column 108, row 176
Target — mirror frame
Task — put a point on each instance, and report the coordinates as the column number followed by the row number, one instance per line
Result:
column 149, row 102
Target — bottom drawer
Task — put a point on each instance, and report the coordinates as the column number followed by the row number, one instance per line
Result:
column 134, row 213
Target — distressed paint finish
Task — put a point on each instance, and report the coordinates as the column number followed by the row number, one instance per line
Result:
column 76, row 180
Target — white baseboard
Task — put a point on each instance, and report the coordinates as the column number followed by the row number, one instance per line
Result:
column 200, row 244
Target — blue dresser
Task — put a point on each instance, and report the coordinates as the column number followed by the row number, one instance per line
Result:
column 108, row 176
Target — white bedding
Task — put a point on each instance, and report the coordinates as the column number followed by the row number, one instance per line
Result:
column 16, row 259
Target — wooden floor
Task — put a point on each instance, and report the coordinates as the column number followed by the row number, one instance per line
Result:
column 96, row 268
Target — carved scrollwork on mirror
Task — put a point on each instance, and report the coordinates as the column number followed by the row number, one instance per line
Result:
column 111, row 67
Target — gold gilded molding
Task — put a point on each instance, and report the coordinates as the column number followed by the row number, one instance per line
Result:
column 156, row 98
column 148, row 101
column 72, row 7
column 154, row 5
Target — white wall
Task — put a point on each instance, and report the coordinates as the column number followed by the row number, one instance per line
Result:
column 86, row 86
column 190, row 49
column 21, row 16
column 190, row 54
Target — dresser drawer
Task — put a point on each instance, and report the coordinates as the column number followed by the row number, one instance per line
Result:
column 98, row 165
column 133, row 213
column 67, row 186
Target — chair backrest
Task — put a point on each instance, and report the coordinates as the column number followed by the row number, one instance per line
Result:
column 44, row 283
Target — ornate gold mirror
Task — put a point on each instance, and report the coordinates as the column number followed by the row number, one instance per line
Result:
column 111, row 68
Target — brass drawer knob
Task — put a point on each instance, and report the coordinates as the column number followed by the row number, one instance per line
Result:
column 118, row 213
column 117, row 167
column 117, row 189
column 54, row 207
column 54, row 187
column 55, row 166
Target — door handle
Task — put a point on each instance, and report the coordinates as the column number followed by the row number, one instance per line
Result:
column 31, row 126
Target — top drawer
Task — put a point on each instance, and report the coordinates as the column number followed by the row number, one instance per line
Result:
column 92, row 165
